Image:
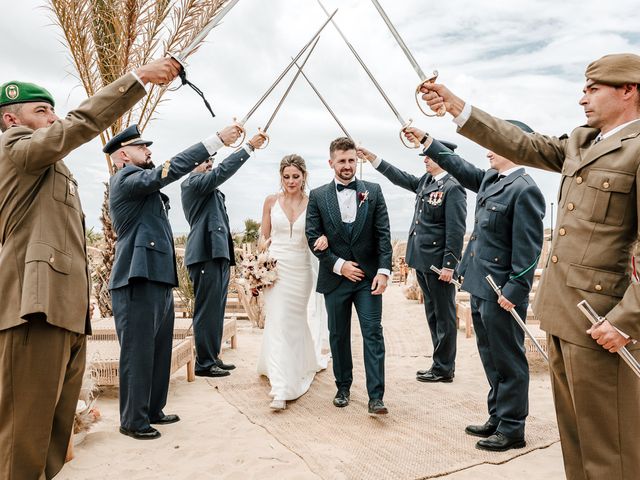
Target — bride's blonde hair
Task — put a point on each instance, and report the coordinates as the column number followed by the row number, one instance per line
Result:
column 294, row 160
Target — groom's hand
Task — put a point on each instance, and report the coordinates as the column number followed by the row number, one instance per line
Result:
column 351, row 271
column 379, row 284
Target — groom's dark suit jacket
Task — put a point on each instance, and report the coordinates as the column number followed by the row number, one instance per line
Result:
column 369, row 244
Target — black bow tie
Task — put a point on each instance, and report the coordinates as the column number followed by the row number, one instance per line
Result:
column 341, row 187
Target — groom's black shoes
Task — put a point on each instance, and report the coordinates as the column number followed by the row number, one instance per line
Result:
column 224, row 366
column 341, row 399
column 214, row 371
column 434, row 377
column 376, row 407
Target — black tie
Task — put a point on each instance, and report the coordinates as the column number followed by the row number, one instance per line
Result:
column 341, row 187
column 498, row 178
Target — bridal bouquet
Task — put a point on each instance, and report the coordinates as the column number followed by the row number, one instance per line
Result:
column 257, row 271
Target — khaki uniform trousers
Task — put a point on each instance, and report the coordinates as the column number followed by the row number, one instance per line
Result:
column 597, row 399
column 41, row 370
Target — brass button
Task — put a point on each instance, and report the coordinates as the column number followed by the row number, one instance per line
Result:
column 420, row 211
column 554, row 259
column 493, row 208
column 571, row 206
column 606, row 185
column 448, row 263
column 196, row 164
column 416, row 222
column 121, row 89
column 414, row 233
column 495, row 259
column 51, row 259
column 153, row 244
column 472, row 254
column 562, row 232
column 578, row 180
column 435, row 243
column 598, row 287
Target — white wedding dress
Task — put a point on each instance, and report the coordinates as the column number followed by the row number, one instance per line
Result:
column 295, row 332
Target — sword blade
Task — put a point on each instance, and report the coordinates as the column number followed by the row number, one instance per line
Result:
column 324, row 102
column 595, row 319
column 518, row 320
column 400, row 41
column 284, row 72
column 295, row 77
column 368, row 72
column 186, row 51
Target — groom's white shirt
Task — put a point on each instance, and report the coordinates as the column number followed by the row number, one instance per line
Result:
column 348, row 211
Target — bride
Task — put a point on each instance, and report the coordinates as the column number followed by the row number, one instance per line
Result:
column 295, row 332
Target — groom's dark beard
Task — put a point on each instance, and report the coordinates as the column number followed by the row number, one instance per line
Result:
column 149, row 165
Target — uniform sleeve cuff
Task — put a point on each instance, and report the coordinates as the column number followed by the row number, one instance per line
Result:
column 212, row 144
column 461, row 119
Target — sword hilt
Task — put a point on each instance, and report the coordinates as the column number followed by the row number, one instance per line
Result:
column 432, row 79
column 405, row 142
column 243, row 133
column 266, row 137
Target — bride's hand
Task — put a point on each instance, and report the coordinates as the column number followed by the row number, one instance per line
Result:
column 321, row 243
column 263, row 243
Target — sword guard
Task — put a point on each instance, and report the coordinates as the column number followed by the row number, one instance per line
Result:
column 432, row 79
column 263, row 134
column 403, row 139
column 240, row 127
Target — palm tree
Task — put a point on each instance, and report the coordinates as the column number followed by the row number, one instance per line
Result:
column 108, row 38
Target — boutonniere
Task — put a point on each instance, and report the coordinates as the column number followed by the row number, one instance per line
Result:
column 363, row 196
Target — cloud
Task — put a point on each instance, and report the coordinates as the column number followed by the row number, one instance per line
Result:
column 522, row 60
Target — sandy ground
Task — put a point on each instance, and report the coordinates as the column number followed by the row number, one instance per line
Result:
column 215, row 440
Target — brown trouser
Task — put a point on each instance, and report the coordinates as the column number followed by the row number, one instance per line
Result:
column 41, row 369
column 597, row 398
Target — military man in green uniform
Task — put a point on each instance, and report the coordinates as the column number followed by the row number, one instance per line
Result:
column 596, row 395
column 44, row 313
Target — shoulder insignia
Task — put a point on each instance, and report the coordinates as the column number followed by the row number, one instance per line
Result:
column 165, row 169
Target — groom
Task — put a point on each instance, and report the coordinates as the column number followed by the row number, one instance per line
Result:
column 354, row 270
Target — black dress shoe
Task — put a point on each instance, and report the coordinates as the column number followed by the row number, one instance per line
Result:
column 485, row 430
column 224, row 366
column 341, row 399
column 423, row 372
column 214, row 371
column 146, row 434
column 167, row 419
column 499, row 442
column 376, row 407
column 434, row 377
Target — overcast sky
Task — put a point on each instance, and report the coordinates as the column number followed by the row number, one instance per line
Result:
column 516, row 59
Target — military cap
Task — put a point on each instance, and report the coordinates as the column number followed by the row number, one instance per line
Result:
column 23, row 92
column 615, row 69
column 523, row 126
column 450, row 145
column 128, row 136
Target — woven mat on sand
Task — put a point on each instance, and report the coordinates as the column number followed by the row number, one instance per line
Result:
column 422, row 437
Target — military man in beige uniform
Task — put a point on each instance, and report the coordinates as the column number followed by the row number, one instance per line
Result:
column 597, row 396
column 44, row 280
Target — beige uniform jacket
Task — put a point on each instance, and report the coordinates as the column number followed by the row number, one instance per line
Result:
column 597, row 224
column 43, row 266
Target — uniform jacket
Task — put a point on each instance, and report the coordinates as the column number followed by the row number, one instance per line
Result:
column 369, row 244
column 144, row 248
column 508, row 231
column 203, row 205
column 597, row 224
column 436, row 233
column 43, row 263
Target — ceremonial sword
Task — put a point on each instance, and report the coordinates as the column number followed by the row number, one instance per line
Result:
column 439, row 272
column 326, row 105
column 596, row 320
column 395, row 111
column 517, row 318
column 423, row 77
column 240, row 124
column 263, row 132
column 182, row 56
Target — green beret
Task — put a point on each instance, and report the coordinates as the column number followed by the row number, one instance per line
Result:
column 616, row 69
column 23, row 92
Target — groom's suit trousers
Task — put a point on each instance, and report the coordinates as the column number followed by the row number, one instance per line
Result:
column 339, row 304
column 210, row 281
